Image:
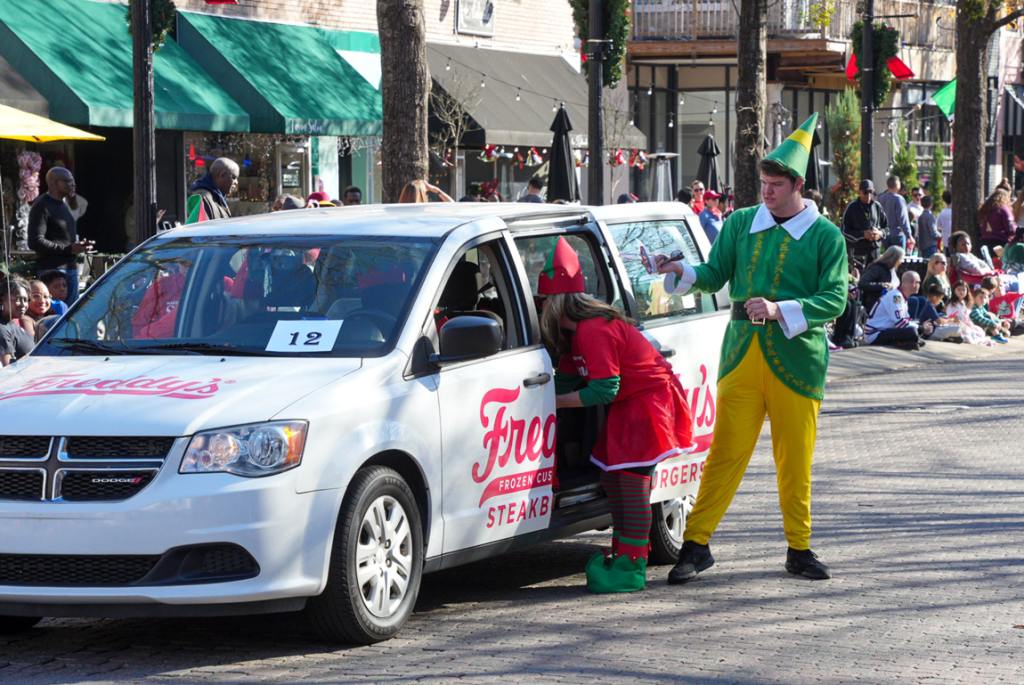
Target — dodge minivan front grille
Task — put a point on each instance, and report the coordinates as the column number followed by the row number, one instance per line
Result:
column 79, row 468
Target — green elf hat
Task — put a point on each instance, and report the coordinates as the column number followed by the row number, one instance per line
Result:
column 796, row 150
column 562, row 272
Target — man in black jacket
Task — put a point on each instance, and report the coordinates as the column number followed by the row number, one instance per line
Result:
column 864, row 226
column 51, row 230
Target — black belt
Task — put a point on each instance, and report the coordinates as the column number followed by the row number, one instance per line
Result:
column 739, row 313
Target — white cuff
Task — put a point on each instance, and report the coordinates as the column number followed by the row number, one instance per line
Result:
column 791, row 318
column 680, row 285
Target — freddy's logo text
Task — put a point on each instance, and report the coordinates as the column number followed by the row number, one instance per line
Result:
column 518, row 445
column 80, row 384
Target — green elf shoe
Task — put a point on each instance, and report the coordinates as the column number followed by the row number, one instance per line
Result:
column 621, row 574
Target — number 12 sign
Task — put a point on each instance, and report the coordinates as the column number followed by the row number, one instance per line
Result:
column 304, row 336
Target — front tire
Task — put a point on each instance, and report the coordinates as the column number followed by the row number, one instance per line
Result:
column 10, row 625
column 667, row 526
column 376, row 562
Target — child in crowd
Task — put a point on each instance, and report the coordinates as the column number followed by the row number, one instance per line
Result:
column 959, row 309
column 927, row 311
column 57, row 283
column 998, row 330
column 1006, row 306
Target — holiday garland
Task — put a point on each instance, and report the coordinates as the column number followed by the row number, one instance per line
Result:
column 886, row 44
column 616, row 30
column 161, row 14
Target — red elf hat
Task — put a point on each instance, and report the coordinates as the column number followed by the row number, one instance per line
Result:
column 562, row 273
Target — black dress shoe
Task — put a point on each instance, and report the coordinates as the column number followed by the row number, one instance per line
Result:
column 693, row 559
column 804, row 562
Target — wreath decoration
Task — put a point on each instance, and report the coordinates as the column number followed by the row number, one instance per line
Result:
column 616, row 29
column 162, row 14
column 886, row 45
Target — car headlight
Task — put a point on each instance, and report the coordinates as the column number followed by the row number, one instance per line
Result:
column 260, row 449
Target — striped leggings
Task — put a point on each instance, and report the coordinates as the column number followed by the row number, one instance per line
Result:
column 629, row 498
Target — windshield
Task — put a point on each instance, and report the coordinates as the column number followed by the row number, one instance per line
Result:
column 342, row 296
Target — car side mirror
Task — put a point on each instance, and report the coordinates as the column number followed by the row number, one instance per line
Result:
column 469, row 337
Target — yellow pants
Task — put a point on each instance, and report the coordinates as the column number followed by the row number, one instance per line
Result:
column 745, row 395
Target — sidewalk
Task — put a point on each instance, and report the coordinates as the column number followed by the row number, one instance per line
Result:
column 867, row 360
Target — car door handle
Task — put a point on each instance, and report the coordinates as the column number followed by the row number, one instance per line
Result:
column 667, row 352
column 539, row 379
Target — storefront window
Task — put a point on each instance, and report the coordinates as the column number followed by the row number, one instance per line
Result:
column 268, row 166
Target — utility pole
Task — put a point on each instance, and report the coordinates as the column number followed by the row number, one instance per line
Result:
column 143, row 136
column 595, row 128
column 867, row 90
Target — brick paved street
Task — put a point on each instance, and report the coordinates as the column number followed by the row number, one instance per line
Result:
column 919, row 508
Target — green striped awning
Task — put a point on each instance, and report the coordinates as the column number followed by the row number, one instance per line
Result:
column 291, row 79
column 78, row 55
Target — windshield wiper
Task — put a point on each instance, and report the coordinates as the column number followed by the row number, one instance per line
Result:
column 202, row 348
column 83, row 345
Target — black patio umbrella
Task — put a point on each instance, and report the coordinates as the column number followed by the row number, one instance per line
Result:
column 813, row 179
column 562, row 183
column 707, row 172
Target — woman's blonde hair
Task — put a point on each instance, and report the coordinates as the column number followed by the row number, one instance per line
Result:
column 414, row 191
column 575, row 307
column 932, row 261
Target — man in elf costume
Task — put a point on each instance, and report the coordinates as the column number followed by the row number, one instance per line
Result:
column 786, row 268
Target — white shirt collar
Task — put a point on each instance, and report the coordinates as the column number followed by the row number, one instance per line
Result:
column 795, row 227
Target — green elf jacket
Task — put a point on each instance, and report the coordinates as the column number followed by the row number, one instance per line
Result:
column 800, row 265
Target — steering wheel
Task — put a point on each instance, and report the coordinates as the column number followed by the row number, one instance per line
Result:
column 377, row 316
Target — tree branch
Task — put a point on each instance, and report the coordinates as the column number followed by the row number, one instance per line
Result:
column 1000, row 23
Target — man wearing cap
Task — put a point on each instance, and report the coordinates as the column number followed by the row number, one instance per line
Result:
column 786, row 269
column 711, row 216
column 864, row 226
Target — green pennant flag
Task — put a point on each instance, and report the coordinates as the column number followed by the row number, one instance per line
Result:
column 945, row 99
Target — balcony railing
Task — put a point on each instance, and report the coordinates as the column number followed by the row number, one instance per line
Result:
column 930, row 24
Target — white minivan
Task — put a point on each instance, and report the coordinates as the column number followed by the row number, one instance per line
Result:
column 310, row 409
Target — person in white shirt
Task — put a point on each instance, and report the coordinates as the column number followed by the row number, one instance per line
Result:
column 944, row 221
column 889, row 322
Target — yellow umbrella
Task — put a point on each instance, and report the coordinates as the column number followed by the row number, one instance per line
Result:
column 32, row 128
column 18, row 125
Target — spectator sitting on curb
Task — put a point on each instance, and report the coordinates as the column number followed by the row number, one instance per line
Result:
column 1006, row 306
column 926, row 311
column 879, row 276
column 936, row 275
column 959, row 309
column 889, row 322
column 998, row 330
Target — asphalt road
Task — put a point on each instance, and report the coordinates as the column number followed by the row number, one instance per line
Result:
column 918, row 506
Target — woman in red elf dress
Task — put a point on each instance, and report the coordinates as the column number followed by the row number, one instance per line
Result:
column 604, row 359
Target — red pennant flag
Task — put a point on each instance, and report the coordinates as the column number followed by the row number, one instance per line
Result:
column 899, row 69
column 851, row 68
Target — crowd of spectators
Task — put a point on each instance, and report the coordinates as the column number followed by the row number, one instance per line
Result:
column 914, row 279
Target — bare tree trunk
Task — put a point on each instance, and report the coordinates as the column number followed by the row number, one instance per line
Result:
column 751, row 48
column 405, row 90
column 971, row 117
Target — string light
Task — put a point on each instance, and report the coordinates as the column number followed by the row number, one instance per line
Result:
column 518, row 96
column 682, row 100
column 554, row 105
column 448, row 65
column 671, row 120
column 650, row 90
column 714, row 110
column 483, row 81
